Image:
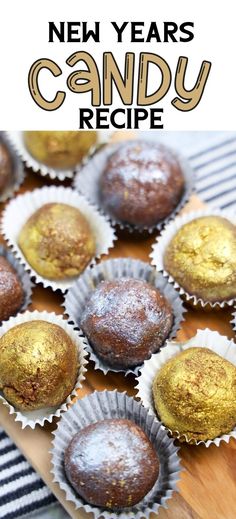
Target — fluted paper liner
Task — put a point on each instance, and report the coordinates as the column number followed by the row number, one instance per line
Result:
column 77, row 296
column 19, row 210
column 22, row 275
column 159, row 248
column 16, row 138
column 111, row 404
column 41, row 416
column 18, row 171
column 87, row 181
column 204, row 339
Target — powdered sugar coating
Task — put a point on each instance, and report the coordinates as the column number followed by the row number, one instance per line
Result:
column 142, row 161
column 111, row 463
column 142, row 183
column 11, row 290
column 126, row 320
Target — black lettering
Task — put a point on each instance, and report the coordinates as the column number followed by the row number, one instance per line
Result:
column 71, row 31
column 154, row 117
column 135, row 31
column 183, row 29
column 113, row 116
column 153, row 33
column 119, row 30
column 59, row 33
column 100, row 117
column 90, row 33
column 170, row 28
column 85, row 115
column 139, row 115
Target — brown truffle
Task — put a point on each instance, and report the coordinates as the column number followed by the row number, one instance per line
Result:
column 142, row 183
column 59, row 150
column 11, row 290
column 6, row 167
column 38, row 365
column 195, row 394
column 126, row 320
column 201, row 257
column 57, row 241
column 111, row 464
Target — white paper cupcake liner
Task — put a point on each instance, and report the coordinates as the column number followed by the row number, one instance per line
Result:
column 93, row 169
column 77, row 296
column 18, row 171
column 204, row 339
column 106, row 405
column 159, row 248
column 41, row 416
column 22, row 275
column 19, row 210
column 17, row 141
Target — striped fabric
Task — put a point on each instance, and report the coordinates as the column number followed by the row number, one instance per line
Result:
column 215, row 168
column 21, row 490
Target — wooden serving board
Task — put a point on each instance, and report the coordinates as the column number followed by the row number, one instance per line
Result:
column 208, row 485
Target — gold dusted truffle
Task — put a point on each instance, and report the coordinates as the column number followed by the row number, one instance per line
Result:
column 195, row 394
column 38, row 365
column 57, row 241
column 201, row 257
column 6, row 167
column 59, row 150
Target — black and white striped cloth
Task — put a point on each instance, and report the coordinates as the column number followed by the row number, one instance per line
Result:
column 21, row 490
column 215, row 169
column 213, row 157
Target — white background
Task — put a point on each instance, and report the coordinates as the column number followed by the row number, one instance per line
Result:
column 24, row 39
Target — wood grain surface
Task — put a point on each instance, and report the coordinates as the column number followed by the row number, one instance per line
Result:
column 208, row 484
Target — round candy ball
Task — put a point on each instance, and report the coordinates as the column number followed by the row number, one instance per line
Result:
column 201, row 257
column 126, row 320
column 142, row 183
column 11, row 290
column 111, row 464
column 38, row 365
column 195, row 394
column 57, row 241
column 60, row 149
column 6, row 167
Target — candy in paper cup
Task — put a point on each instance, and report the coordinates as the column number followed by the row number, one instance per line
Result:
column 18, row 171
column 16, row 138
column 87, row 182
column 19, row 210
column 22, row 275
column 78, row 295
column 41, row 416
column 159, row 248
column 111, row 404
column 203, row 339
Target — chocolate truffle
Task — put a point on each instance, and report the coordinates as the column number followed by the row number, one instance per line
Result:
column 11, row 290
column 126, row 320
column 38, row 365
column 59, row 150
column 111, row 464
column 6, row 167
column 201, row 257
column 142, row 183
column 195, row 394
column 57, row 241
